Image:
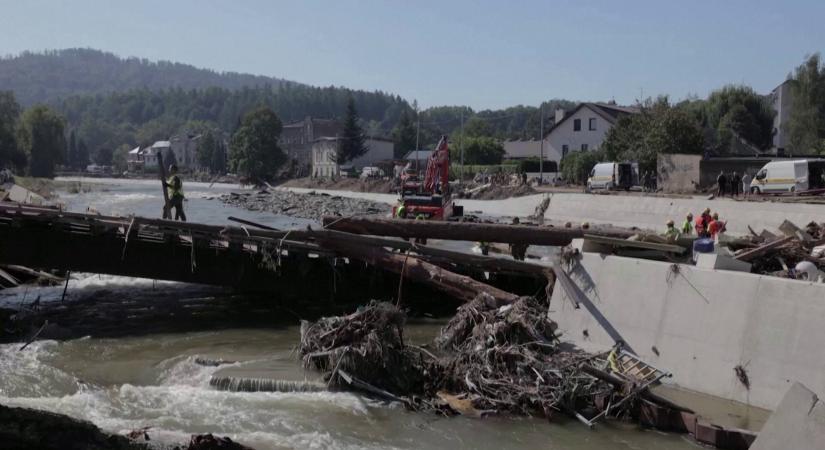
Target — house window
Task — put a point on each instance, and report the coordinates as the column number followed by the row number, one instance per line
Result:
column 584, row 147
column 577, row 124
column 592, row 124
column 564, row 150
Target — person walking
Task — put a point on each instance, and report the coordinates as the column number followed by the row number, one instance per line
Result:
column 721, row 182
column 737, row 184
column 746, row 184
column 174, row 188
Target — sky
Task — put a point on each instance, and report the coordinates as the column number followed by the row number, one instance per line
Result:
column 485, row 54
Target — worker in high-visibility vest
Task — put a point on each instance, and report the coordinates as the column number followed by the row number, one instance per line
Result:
column 401, row 210
column 671, row 233
column 687, row 225
column 174, row 188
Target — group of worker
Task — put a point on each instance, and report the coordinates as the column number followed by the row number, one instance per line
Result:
column 706, row 225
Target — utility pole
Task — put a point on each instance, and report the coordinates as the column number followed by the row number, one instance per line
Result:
column 417, row 133
column 461, row 147
column 541, row 146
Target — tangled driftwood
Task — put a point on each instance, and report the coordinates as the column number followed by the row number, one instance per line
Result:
column 492, row 356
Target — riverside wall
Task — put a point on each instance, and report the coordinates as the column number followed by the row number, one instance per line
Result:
column 700, row 324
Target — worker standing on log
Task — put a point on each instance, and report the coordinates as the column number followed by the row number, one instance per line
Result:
column 174, row 187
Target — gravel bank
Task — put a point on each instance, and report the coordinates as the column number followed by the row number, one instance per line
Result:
column 310, row 205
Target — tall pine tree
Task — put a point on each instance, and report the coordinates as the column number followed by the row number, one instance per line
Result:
column 352, row 141
column 404, row 135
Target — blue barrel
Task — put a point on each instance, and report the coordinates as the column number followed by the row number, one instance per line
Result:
column 703, row 245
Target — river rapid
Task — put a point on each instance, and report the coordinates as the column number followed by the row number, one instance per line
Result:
column 156, row 380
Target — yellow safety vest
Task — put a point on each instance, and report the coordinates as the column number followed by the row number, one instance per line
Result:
column 171, row 189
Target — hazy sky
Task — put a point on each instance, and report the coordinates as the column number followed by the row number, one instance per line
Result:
column 486, row 54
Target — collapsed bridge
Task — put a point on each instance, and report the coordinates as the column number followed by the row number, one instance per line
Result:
column 295, row 265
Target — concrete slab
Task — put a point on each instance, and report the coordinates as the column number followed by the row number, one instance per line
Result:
column 700, row 324
column 797, row 423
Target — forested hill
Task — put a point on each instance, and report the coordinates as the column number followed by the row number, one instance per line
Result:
column 45, row 77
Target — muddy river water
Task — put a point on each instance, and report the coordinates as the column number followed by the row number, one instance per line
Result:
column 153, row 380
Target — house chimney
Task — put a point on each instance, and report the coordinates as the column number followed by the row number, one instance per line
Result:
column 559, row 115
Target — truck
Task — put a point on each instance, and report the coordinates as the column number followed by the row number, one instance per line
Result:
column 430, row 198
column 796, row 176
column 613, row 175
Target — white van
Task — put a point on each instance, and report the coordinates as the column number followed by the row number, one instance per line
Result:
column 612, row 175
column 789, row 176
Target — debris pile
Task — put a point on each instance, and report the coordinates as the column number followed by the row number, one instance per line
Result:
column 493, row 356
column 797, row 253
column 367, row 345
column 305, row 206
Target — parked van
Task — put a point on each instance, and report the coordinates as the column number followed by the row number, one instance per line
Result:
column 789, row 176
column 611, row 175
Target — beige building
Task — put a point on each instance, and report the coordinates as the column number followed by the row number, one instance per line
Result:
column 325, row 149
column 297, row 140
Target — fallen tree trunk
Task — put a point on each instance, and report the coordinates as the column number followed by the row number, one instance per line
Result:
column 465, row 231
column 433, row 254
column 458, row 286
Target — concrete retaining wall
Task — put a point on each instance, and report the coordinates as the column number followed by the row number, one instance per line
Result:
column 702, row 323
column 652, row 212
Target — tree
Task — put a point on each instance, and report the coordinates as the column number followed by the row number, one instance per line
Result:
column 658, row 128
column 479, row 150
column 254, row 151
column 103, row 156
column 71, row 151
column 739, row 111
column 41, row 136
column 11, row 155
column 82, row 156
column 404, row 135
column 576, row 166
column 120, row 158
column 806, row 124
column 207, row 146
column 352, row 139
column 476, row 127
column 218, row 163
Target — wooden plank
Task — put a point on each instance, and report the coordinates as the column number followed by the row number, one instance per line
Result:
column 668, row 248
column 748, row 255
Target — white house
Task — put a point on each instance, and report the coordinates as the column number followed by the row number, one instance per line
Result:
column 325, row 149
column 581, row 129
column 781, row 101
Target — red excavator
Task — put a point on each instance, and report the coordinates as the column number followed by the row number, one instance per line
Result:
column 430, row 198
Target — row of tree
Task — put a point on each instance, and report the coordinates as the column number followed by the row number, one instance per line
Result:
column 31, row 141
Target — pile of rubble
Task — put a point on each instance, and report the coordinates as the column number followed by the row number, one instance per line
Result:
column 306, row 206
column 796, row 253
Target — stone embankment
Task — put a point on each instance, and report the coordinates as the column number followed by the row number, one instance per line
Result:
column 309, row 205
